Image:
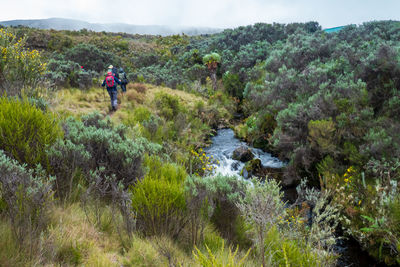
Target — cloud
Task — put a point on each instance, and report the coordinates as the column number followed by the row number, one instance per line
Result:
column 213, row 13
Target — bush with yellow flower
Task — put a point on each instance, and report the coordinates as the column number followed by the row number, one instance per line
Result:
column 21, row 69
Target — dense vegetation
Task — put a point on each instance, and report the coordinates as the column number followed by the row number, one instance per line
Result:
column 327, row 104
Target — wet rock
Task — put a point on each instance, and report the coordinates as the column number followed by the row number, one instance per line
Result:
column 288, row 180
column 255, row 168
column 243, row 154
column 235, row 166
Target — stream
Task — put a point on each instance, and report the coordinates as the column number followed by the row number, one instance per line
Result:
column 222, row 147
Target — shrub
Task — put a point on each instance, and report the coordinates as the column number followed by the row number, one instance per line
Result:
column 21, row 69
column 168, row 105
column 261, row 208
column 67, row 160
column 233, row 85
column 97, row 144
column 214, row 198
column 103, row 189
column 63, row 73
column 90, row 57
column 26, row 131
column 322, row 135
column 39, row 102
column 27, row 195
column 159, row 200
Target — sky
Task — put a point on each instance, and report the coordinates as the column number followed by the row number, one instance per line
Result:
column 205, row 13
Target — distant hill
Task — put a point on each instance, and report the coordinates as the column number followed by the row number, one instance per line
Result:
column 75, row 25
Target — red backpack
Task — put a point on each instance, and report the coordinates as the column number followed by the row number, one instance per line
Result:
column 110, row 79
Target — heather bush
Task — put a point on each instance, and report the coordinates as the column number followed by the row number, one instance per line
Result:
column 26, row 131
column 26, row 195
column 282, row 251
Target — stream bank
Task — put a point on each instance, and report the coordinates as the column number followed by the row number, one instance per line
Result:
column 224, row 143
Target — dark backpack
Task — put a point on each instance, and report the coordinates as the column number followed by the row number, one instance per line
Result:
column 123, row 78
column 110, row 81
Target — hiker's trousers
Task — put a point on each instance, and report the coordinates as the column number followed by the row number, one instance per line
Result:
column 113, row 96
column 123, row 87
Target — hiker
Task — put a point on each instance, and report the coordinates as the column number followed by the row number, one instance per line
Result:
column 123, row 79
column 111, row 82
column 114, row 71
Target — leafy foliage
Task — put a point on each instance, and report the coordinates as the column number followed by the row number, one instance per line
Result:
column 26, row 131
column 159, row 200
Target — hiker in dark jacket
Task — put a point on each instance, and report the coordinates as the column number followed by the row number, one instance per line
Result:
column 115, row 71
column 124, row 80
column 111, row 83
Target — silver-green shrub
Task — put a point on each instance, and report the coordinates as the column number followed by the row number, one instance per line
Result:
column 262, row 208
column 27, row 195
column 95, row 143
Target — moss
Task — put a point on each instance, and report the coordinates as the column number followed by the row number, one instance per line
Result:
column 251, row 168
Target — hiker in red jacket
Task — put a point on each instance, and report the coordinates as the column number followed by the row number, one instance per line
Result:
column 111, row 83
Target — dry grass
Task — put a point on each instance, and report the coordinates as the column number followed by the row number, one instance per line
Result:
column 186, row 98
column 76, row 102
column 158, row 251
column 138, row 87
column 134, row 96
column 71, row 239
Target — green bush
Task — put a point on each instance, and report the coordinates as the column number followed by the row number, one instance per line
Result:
column 26, row 131
column 168, row 105
column 91, row 57
column 159, row 199
column 233, row 85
